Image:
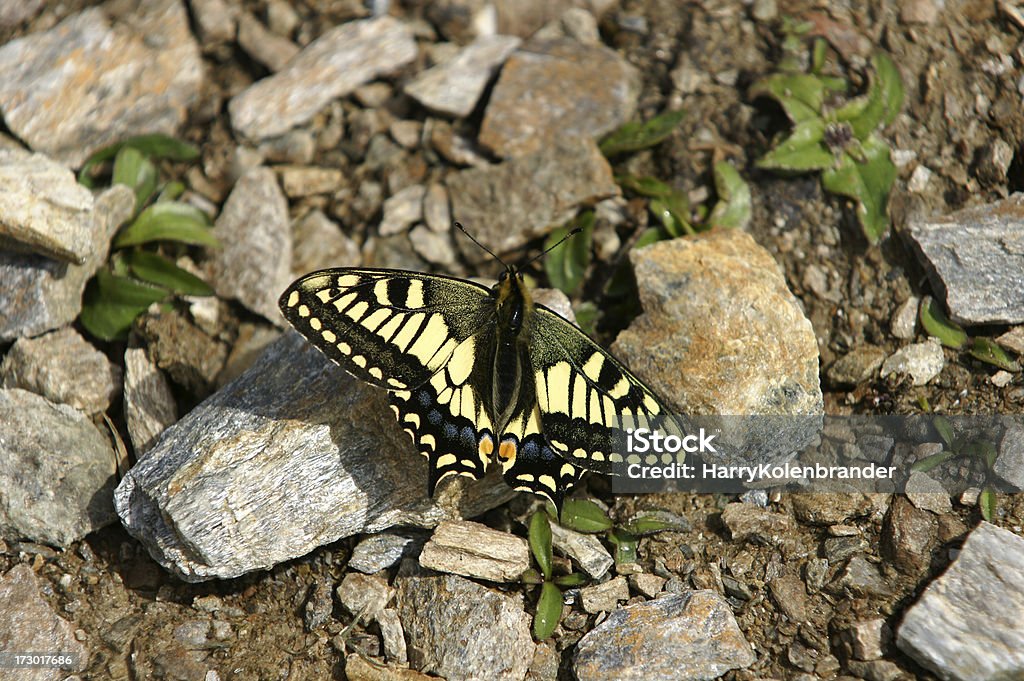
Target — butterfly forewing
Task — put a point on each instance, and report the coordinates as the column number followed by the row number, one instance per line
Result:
column 587, row 397
column 390, row 328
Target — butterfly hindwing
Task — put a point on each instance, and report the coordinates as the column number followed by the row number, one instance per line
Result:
column 393, row 329
column 586, row 397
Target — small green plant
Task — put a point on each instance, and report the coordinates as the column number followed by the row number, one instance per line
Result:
column 972, row 452
column 587, row 517
column 140, row 272
column 840, row 140
column 936, row 324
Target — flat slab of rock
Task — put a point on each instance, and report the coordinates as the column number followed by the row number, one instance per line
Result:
column 293, row 454
column 692, row 636
column 253, row 264
column 63, row 367
column 56, row 471
column 39, row 294
column 470, row 549
column 149, row 406
column 967, row 625
column 454, row 87
column 43, row 208
column 332, row 66
column 550, row 90
column 461, row 630
column 29, row 624
column 586, row 549
column 87, row 83
column 507, row 205
column 975, row 259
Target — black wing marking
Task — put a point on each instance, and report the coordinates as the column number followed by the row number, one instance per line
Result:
column 391, row 328
column 586, row 397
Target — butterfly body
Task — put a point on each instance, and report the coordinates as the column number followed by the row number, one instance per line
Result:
column 476, row 374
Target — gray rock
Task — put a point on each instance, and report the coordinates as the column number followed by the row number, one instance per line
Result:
column 14, row 12
column 364, row 595
column 506, row 206
column 967, row 624
column 551, row 90
column 604, row 597
column 215, row 20
column 437, row 212
column 253, row 264
column 461, row 630
column 433, row 247
column 454, row 86
column 43, row 209
column 67, row 494
column 402, row 209
column 85, row 83
column 908, row 537
column 454, row 147
column 266, row 47
column 927, row 494
column 149, row 406
column 867, row 638
column 1013, row 340
column 319, row 606
column 690, row 636
column 39, row 294
column 861, row 579
column 470, row 549
column 29, row 624
column 904, row 320
column 716, row 309
column 319, row 243
column 251, row 342
column 921, row 361
column 647, row 585
column 747, row 522
column 64, row 368
column 856, row 366
column 1009, row 465
column 332, row 66
column 299, row 181
column 380, row 551
column 975, row 261
column 586, row 549
column 392, row 636
column 293, row 454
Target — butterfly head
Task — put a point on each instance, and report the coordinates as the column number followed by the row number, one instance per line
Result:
column 512, row 300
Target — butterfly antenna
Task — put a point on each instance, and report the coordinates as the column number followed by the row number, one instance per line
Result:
column 473, row 239
column 547, row 250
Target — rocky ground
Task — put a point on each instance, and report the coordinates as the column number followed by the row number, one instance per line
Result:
column 275, row 522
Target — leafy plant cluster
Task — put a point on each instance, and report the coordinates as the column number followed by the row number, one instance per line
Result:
column 566, row 267
column 141, row 270
column 951, row 335
column 841, row 141
column 968, row 451
column 553, row 575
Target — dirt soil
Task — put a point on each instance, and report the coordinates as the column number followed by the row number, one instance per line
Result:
column 956, row 103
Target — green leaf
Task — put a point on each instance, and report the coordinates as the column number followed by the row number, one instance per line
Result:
column 586, row 316
column 540, row 542
column 135, row 171
column 531, row 576
column 648, row 524
column 625, row 546
column 868, row 183
column 566, row 266
column 634, row 136
column 171, row 191
column 584, row 515
column 648, row 237
column 880, row 105
column 802, row 151
column 983, row 450
column 989, row 352
column 800, row 95
column 733, row 207
column 890, row 84
column 157, row 269
column 930, row 462
column 549, row 611
column 644, row 186
column 987, row 503
column 168, row 221
column 936, row 323
column 154, row 146
column 674, row 222
column 111, row 303
column 571, row 580
column 945, row 430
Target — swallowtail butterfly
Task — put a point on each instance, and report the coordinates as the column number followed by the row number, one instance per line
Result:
column 476, row 373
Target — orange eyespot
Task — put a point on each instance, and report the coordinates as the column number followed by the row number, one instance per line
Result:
column 507, row 450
